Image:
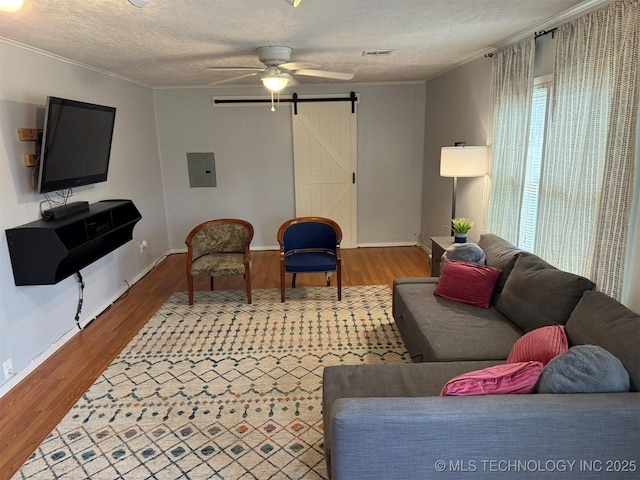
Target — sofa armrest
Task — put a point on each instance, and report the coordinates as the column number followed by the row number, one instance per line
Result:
column 498, row 436
column 406, row 281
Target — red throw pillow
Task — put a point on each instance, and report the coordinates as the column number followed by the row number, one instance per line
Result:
column 467, row 282
column 539, row 345
column 510, row 378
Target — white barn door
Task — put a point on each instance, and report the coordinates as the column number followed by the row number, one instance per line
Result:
column 325, row 162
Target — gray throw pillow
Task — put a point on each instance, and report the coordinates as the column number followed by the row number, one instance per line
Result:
column 466, row 252
column 583, row 369
column 600, row 320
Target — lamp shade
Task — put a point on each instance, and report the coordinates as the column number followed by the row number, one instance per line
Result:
column 11, row 5
column 463, row 161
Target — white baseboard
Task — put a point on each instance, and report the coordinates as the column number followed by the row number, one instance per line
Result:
column 425, row 247
column 387, row 244
column 63, row 338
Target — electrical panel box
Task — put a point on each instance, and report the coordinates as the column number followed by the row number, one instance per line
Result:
column 202, row 169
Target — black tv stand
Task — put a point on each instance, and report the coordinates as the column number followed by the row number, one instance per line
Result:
column 46, row 252
column 65, row 210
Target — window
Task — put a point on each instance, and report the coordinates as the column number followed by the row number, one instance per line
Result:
column 533, row 167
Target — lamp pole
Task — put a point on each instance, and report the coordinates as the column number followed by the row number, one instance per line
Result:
column 453, row 202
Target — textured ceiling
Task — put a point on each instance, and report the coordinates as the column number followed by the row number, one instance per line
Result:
column 171, row 42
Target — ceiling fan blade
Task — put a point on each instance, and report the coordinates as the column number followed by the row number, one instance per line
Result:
column 227, row 80
column 325, row 74
column 293, row 66
column 236, row 69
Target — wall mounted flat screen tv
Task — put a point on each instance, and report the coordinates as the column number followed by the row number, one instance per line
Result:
column 76, row 144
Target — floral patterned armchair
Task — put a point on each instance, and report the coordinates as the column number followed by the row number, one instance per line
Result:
column 218, row 248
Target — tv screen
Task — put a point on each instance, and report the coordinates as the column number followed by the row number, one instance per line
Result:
column 76, row 144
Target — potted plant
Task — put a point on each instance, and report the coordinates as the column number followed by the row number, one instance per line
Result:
column 461, row 227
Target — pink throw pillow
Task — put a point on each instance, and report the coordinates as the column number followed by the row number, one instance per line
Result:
column 510, row 378
column 467, row 282
column 539, row 345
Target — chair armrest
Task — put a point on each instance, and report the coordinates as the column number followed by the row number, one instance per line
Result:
column 494, row 436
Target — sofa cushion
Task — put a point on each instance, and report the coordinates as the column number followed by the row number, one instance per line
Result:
column 584, row 369
column 537, row 294
column 600, row 320
column 467, row 282
column 436, row 329
column 499, row 254
column 539, row 345
column 510, row 378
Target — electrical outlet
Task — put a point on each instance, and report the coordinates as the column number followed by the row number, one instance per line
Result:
column 8, row 368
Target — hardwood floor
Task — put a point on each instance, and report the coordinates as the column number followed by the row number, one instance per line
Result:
column 34, row 407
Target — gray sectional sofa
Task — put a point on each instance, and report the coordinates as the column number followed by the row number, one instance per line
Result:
column 389, row 422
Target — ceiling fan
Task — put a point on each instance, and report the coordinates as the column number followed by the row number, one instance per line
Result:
column 278, row 69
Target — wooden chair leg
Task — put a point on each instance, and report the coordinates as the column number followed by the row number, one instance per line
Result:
column 339, row 281
column 247, row 281
column 293, row 281
column 282, row 283
column 190, row 287
column 212, row 284
column 328, row 279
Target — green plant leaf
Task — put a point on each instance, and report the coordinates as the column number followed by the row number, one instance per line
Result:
column 461, row 224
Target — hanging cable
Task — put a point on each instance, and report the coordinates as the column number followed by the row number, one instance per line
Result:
column 80, row 298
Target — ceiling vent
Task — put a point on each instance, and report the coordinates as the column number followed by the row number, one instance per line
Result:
column 376, row 53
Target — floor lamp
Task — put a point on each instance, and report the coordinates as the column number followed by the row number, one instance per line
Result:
column 462, row 161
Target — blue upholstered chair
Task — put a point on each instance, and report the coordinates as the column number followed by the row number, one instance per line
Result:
column 219, row 247
column 310, row 245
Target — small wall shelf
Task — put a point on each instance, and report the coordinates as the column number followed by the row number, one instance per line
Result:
column 46, row 252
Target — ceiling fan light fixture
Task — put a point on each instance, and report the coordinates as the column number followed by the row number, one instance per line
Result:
column 296, row 3
column 275, row 80
column 11, row 5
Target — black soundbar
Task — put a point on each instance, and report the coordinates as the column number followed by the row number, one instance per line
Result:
column 65, row 210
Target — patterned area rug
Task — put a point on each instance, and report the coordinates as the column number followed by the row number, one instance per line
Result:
column 221, row 389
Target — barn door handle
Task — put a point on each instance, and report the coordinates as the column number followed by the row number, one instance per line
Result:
column 353, row 177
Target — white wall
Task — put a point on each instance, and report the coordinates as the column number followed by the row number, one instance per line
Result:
column 458, row 109
column 37, row 319
column 254, row 160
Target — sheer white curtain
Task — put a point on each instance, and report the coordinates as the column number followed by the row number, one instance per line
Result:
column 512, row 87
column 587, row 178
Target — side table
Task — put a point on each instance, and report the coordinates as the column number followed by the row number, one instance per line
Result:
column 438, row 246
